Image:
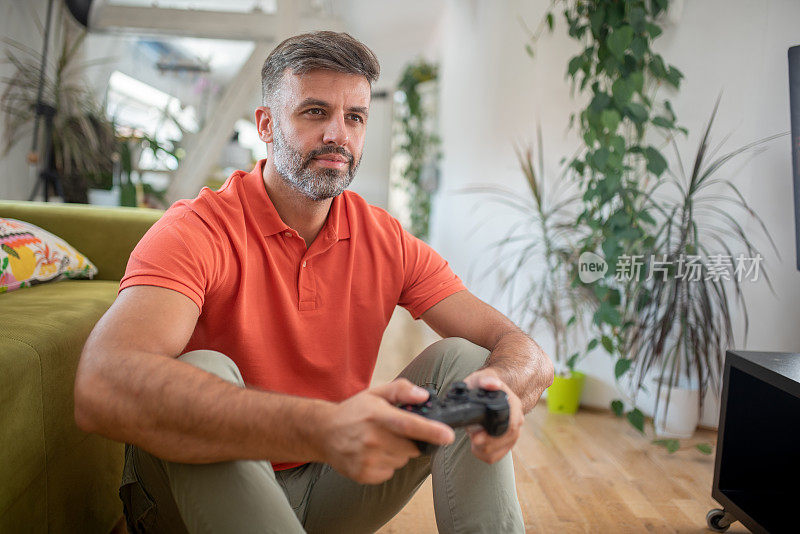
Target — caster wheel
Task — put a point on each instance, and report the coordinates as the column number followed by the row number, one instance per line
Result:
column 719, row 520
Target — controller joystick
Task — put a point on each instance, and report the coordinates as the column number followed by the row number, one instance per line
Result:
column 462, row 406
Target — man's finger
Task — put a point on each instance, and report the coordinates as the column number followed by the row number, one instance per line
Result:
column 489, row 382
column 397, row 445
column 493, row 445
column 413, row 426
column 479, row 437
column 489, row 454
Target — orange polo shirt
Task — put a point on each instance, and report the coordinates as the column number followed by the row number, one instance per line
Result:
column 300, row 321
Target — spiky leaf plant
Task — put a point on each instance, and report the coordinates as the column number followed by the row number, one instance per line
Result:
column 83, row 139
column 680, row 311
column 538, row 255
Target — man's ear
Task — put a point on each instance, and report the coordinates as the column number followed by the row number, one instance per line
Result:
column 264, row 123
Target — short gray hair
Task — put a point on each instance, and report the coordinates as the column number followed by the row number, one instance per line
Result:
column 317, row 50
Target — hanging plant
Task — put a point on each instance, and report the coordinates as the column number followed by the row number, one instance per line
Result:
column 419, row 145
column 621, row 73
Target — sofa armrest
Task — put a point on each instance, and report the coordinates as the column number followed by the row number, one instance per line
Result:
column 105, row 235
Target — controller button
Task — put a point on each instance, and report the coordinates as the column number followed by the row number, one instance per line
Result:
column 458, row 389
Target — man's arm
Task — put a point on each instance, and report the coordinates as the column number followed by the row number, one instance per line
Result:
column 517, row 360
column 516, row 364
column 130, row 387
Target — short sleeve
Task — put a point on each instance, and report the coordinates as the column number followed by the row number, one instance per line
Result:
column 176, row 253
column 428, row 278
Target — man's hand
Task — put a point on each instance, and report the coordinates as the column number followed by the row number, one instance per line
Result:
column 485, row 447
column 368, row 437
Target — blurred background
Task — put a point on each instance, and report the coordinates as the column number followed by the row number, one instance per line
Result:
column 157, row 99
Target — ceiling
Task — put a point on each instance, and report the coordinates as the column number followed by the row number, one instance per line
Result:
column 232, row 6
column 397, row 32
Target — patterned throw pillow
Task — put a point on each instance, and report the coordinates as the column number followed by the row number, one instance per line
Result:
column 30, row 255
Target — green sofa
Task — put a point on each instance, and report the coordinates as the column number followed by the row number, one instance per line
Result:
column 53, row 476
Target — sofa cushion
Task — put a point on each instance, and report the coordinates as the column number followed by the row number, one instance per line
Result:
column 22, row 461
column 55, row 320
column 106, row 235
column 30, row 255
column 46, row 326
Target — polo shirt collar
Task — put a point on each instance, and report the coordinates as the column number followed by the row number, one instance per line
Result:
column 267, row 217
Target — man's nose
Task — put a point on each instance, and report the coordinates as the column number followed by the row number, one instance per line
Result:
column 335, row 131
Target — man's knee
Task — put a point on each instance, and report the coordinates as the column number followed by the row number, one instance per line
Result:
column 215, row 363
column 461, row 355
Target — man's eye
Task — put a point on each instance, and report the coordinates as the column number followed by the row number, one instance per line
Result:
column 357, row 118
column 315, row 111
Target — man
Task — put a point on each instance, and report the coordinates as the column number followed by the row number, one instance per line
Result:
column 237, row 356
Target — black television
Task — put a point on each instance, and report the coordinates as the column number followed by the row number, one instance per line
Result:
column 757, row 466
column 794, row 106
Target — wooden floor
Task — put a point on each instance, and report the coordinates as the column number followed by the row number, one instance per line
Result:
column 590, row 472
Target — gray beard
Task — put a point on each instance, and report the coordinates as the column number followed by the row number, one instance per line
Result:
column 316, row 184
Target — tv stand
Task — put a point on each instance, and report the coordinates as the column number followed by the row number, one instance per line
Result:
column 757, row 467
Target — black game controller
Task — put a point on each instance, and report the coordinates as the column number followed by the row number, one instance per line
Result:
column 462, row 407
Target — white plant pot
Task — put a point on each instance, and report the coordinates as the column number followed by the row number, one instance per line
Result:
column 680, row 418
column 104, row 197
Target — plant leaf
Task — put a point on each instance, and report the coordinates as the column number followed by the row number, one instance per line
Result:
column 637, row 112
column 672, row 445
column 621, row 367
column 529, row 49
column 607, row 344
column 636, row 419
column 572, row 360
column 610, row 119
column 705, row 448
column 617, row 407
column 655, row 161
column 619, row 40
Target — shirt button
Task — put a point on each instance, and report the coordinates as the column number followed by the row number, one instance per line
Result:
column 304, row 264
column 288, row 234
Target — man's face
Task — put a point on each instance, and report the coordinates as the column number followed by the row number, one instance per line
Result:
column 318, row 125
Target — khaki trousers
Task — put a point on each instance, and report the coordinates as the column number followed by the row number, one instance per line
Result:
column 248, row 496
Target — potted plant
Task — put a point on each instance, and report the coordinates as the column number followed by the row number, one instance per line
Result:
column 82, row 138
column 122, row 185
column 416, row 153
column 539, row 257
column 680, row 301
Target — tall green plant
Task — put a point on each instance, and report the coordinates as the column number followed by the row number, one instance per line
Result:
column 418, row 144
column 621, row 73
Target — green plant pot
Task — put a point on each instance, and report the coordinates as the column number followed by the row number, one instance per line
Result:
column 564, row 396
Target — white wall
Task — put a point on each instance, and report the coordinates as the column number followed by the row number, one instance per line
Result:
column 372, row 179
column 18, row 22
column 493, row 94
